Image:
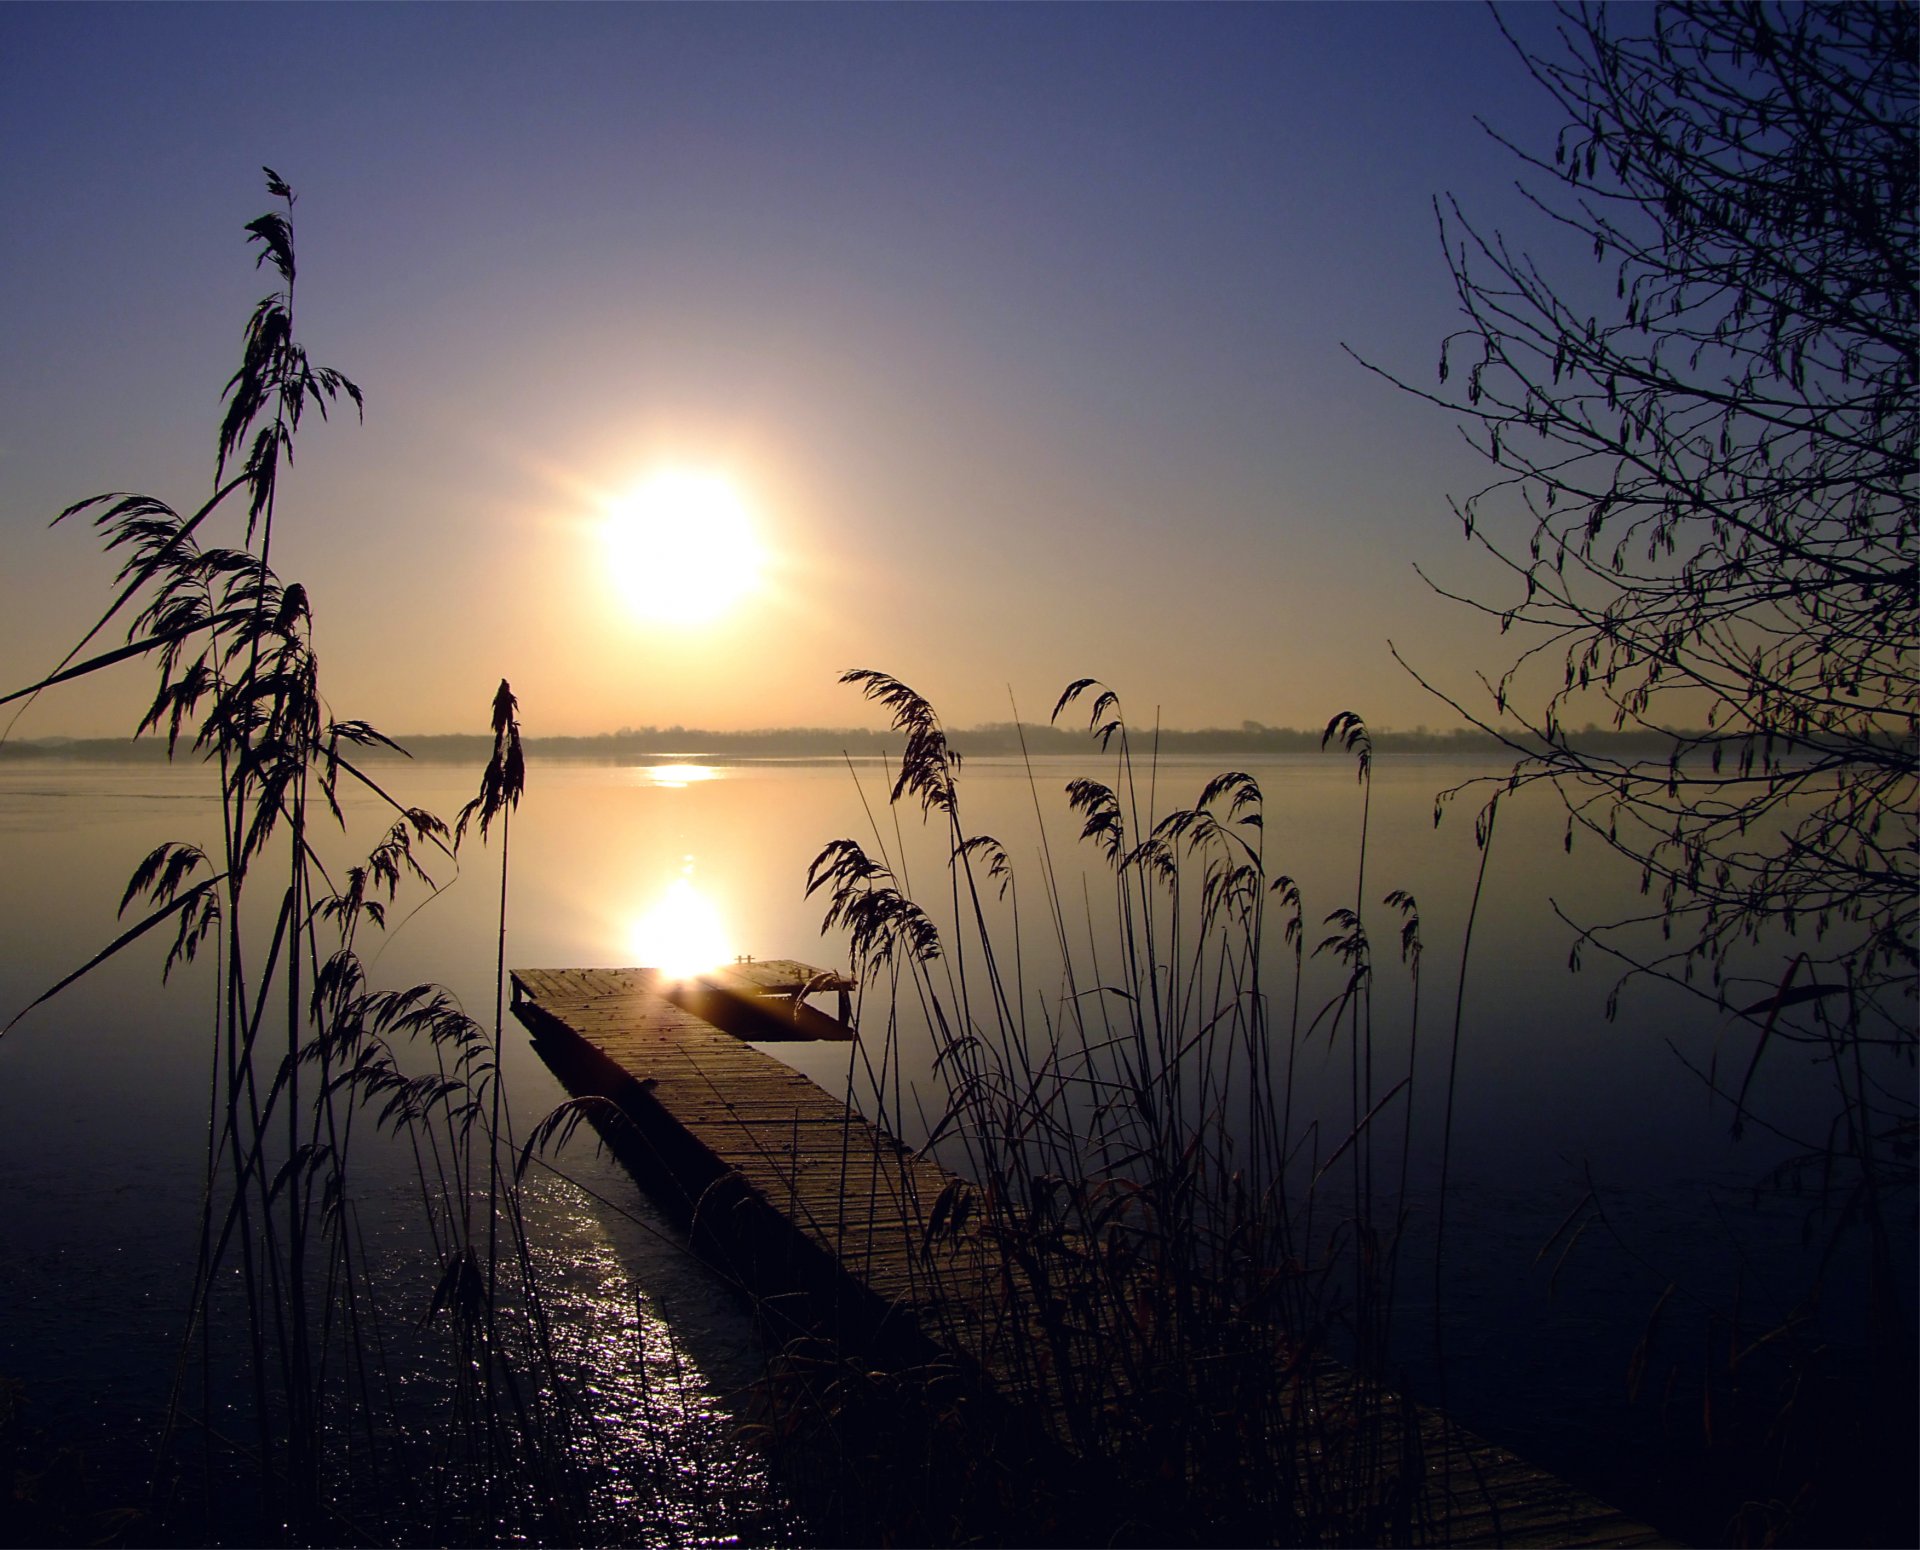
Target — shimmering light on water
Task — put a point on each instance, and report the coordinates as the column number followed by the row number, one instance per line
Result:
column 676, row 776
column 102, row 1126
column 661, row 1452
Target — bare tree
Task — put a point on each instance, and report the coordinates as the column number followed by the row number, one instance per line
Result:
column 1709, row 442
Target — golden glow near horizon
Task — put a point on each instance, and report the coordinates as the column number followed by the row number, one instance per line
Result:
column 682, row 547
column 682, row 934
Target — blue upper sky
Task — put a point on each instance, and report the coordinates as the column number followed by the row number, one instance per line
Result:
column 1019, row 327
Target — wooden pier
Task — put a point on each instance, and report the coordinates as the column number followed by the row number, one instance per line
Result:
column 847, row 1238
column 787, row 1191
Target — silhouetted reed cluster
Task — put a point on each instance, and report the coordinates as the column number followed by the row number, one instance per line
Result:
column 358, row 1413
column 1175, row 1250
column 1198, row 1266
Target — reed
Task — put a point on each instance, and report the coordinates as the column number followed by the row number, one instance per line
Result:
column 1198, row 1269
column 362, row 1415
column 1194, row 1277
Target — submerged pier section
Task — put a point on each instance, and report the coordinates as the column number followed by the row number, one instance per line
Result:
column 847, row 1239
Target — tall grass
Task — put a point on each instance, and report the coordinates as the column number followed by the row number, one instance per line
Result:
column 1198, row 1265
column 357, row 1419
column 1179, row 1252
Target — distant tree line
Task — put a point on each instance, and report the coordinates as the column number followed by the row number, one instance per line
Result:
column 992, row 740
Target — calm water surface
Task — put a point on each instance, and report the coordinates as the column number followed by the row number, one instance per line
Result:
column 103, row 1091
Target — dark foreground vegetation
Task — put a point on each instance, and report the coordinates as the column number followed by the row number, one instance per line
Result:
column 1211, row 1275
column 306, row 1406
column 1185, row 1250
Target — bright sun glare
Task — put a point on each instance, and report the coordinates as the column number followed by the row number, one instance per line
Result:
column 683, row 934
column 682, row 547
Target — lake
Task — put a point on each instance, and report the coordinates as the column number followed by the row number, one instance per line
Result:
column 103, row 1094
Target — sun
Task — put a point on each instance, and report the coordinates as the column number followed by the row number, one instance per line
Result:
column 681, row 547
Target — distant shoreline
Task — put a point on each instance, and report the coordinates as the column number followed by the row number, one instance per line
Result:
column 693, row 744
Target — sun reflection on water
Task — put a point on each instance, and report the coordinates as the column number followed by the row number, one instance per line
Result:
column 682, row 934
column 678, row 776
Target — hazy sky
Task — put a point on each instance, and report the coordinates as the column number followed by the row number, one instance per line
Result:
column 1018, row 329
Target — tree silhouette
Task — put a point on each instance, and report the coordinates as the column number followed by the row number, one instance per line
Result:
column 1702, row 515
column 1709, row 443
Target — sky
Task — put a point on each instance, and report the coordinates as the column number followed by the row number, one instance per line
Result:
column 1018, row 334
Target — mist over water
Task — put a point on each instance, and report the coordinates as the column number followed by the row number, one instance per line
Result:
column 103, row 1091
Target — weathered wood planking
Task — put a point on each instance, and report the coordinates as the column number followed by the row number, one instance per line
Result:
column 789, row 1191
column 773, row 1177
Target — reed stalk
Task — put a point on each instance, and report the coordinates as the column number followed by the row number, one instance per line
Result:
column 1130, row 1173
column 309, row 1065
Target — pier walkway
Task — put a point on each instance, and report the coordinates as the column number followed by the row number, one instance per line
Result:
column 841, row 1233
